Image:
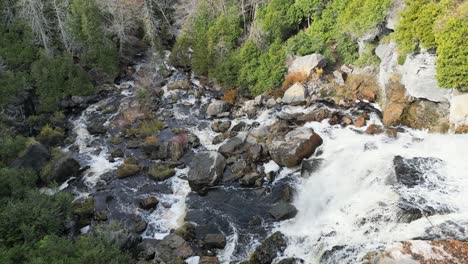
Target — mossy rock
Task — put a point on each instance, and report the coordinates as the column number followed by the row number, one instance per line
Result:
column 51, row 136
column 161, row 172
column 127, row 170
column 186, row 231
column 84, row 210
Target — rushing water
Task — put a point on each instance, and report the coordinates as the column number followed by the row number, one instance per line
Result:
column 347, row 207
column 352, row 199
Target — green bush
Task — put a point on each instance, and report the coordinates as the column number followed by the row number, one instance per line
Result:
column 10, row 147
column 56, row 78
column 15, row 184
column 275, row 20
column 51, row 136
column 361, row 16
column 29, row 220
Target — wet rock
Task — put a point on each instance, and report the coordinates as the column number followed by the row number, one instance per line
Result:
column 411, row 172
column 291, row 261
column 346, row 121
column 63, row 169
column 220, row 126
column 209, row 260
column 83, row 210
column 172, row 248
column 147, row 249
column 360, row 122
column 35, row 157
column 271, row 102
column 250, row 179
column 283, row 211
column 239, row 168
column 271, row 248
column 216, row 108
column 121, row 237
column 232, row 146
column 310, row 166
column 206, row 170
column 118, row 153
column 249, row 108
column 306, row 64
column 239, row 126
column 294, row 147
column 374, row 129
column 296, row 94
column 214, row 241
column 317, row 116
column 148, row 203
column 161, row 172
column 96, row 127
column 139, row 226
column 218, row 139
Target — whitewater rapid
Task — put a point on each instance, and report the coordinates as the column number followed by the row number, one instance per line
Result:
column 351, row 200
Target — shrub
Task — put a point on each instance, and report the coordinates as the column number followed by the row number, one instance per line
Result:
column 160, row 172
column 15, row 184
column 293, row 78
column 51, row 136
column 368, row 56
column 361, row 16
column 128, row 169
column 10, row 147
column 146, row 128
column 275, row 20
column 180, row 56
column 56, row 78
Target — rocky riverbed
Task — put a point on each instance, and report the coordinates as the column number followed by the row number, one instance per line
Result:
column 181, row 175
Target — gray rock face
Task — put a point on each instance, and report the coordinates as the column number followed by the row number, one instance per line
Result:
column 231, row 146
column 294, row 147
column 171, row 248
column 306, row 64
column 269, row 249
column 212, row 241
column 295, row 94
column 419, row 78
column 206, row 170
column 283, row 211
column 216, row 108
column 35, row 158
column 63, row 169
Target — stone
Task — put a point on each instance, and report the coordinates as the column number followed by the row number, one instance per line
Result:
column 429, row 115
column 283, row 211
column 396, row 103
column 206, row 170
column 250, row 179
column 249, row 108
column 418, row 76
column 216, row 108
column 219, row 126
column 63, row 169
column 271, row 102
column 35, row 157
column 306, row 64
column 148, row 203
column 232, row 146
column 298, row 144
column 346, row 69
column 209, row 260
column 269, row 249
column 239, row 126
column 127, row 170
column 374, row 129
column 259, row 100
column 96, row 127
column 339, row 79
column 410, row 172
column 291, row 261
column 296, row 94
column 178, row 84
column 459, row 111
column 171, row 248
column 360, row 122
column 346, row 121
column 214, row 241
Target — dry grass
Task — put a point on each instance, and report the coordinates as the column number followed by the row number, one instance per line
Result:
column 230, row 96
column 293, row 78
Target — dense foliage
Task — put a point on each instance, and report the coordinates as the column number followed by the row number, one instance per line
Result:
column 440, row 26
column 238, row 50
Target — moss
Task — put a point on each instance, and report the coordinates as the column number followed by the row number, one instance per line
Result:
column 46, row 172
column 128, row 169
column 146, row 128
column 160, row 172
column 186, row 231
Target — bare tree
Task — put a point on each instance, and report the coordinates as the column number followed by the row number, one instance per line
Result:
column 34, row 11
column 61, row 11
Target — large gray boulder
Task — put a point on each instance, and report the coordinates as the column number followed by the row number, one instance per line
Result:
column 34, row 158
column 306, row 64
column 296, row 94
column 171, row 249
column 296, row 145
column 206, row 170
column 63, row 169
column 216, row 108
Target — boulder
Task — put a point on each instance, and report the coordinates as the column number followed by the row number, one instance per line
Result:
column 271, row 248
column 259, row 100
column 294, row 147
column 283, row 211
column 63, row 169
column 148, row 203
column 35, row 157
column 296, row 94
column 96, row 127
column 249, row 108
column 232, row 146
column 423, row 114
column 459, row 111
column 306, row 64
column 206, row 170
column 219, row 126
column 172, row 248
column 209, row 260
column 291, row 261
column 250, row 179
column 216, row 108
column 374, row 129
column 271, row 102
column 214, row 241
column 127, row 170
column 339, row 77
column 411, row 172
column 239, row 126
